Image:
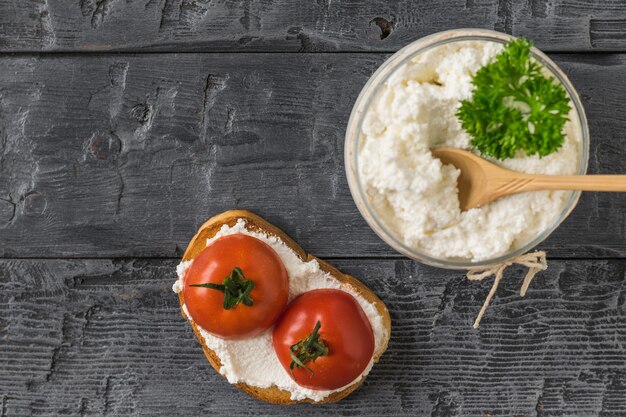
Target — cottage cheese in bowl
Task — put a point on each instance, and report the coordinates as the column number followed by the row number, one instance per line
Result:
column 408, row 196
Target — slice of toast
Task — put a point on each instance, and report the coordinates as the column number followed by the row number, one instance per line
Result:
column 255, row 223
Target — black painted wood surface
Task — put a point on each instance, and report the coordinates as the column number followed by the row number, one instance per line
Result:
column 299, row 26
column 105, row 337
column 110, row 161
column 127, row 155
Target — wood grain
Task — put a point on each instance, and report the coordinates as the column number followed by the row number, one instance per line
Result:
column 105, row 337
column 127, row 155
column 124, row 156
column 108, row 156
column 303, row 26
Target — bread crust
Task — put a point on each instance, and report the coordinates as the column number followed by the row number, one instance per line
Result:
column 256, row 223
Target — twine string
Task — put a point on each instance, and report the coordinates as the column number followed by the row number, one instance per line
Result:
column 535, row 262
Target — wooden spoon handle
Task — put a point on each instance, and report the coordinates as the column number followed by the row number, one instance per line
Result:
column 575, row 182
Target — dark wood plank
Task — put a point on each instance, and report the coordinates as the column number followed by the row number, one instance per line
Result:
column 309, row 26
column 108, row 156
column 102, row 337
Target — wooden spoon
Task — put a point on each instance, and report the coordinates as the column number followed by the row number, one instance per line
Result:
column 482, row 182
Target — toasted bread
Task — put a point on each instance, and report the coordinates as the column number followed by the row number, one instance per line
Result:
column 273, row 394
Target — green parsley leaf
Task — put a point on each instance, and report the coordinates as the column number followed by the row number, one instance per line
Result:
column 515, row 106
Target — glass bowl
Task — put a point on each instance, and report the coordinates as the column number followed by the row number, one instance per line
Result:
column 370, row 92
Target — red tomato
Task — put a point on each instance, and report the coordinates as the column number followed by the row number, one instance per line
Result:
column 259, row 263
column 344, row 331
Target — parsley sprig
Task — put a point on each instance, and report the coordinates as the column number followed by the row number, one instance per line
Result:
column 515, row 106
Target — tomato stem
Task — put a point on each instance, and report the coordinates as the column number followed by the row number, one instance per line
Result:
column 307, row 350
column 236, row 289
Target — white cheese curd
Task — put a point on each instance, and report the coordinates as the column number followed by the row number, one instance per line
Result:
column 253, row 360
column 180, row 271
column 414, row 195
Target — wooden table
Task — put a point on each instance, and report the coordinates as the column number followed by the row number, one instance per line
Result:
column 124, row 124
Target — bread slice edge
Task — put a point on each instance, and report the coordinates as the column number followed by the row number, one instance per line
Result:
column 273, row 394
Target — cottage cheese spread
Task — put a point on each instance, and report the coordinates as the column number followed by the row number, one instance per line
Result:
column 253, row 360
column 415, row 195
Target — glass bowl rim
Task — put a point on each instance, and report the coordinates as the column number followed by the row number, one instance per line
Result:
column 368, row 93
